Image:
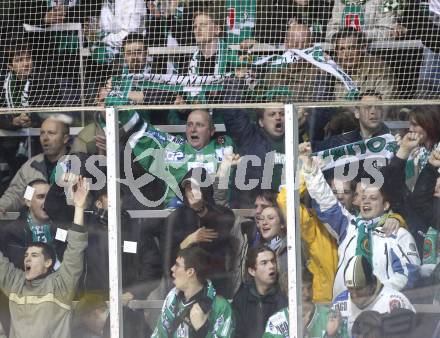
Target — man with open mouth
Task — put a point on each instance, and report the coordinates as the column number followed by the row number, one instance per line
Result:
column 40, row 300
column 259, row 298
column 192, row 308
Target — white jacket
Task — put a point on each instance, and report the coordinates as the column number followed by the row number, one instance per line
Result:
column 395, row 258
column 121, row 17
column 386, row 301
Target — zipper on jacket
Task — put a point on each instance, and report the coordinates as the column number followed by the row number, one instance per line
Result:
column 386, row 255
column 403, row 253
column 345, row 251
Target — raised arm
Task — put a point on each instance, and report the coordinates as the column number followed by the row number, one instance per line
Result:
column 67, row 276
column 237, row 121
column 328, row 209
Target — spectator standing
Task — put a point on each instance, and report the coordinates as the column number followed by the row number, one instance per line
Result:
column 316, row 240
column 212, row 57
column 372, row 17
column 371, row 123
column 264, row 141
column 201, row 222
column 304, row 81
column 54, row 136
column 170, row 157
column 33, row 226
column 192, row 308
column 364, row 292
column 368, row 72
column 245, row 235
column 272, row 227
column 315, row 316
column 425, row 121
column 259, row 298
column 141, row 268
column 363, row 235
column 38, row 281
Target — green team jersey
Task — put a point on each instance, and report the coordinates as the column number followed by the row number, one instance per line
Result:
column 220, row 320
column 278, row 324
column 241, row 17
column 170, row 157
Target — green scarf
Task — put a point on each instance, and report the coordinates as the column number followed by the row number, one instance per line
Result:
column 365, row 230
column 16, row 91
column 223, row 58
column 40, row 233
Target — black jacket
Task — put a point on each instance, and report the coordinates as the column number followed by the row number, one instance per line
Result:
column 141, row 271
column 184, row 221
column 253, row 310
column 346, row 138
column 251, row 139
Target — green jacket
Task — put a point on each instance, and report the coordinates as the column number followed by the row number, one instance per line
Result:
column 220, row 323
column 42, row 308
column 170, row 157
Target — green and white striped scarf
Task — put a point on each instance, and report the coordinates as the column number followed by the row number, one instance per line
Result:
column 16, row 92
column 365, row 231
column 201, row 83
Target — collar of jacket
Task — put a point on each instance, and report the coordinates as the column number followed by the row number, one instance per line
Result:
column 383, row 129
column 268, row 297
column 207, row 291
column 38, row 280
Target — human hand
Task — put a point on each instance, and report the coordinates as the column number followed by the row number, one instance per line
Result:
column 136, row 96
column 101, row 144
column 302, row 116
column 407, row 144
column 195, row 198
column 399, row 31
column 179, row 100
column 434, row 158
column 436, row 190
column 103, row 92
column 79, row 192
column 197, row 316
column 305, row 151
column 333, row 323
column 229, row 160
column 201, row 235
column 55, row 16
column 247, row 44
column 22, row 121
column 126, row 297
column 391, row 226
column 3, row 211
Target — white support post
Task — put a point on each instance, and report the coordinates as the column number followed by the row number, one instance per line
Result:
column 81, row 72
column 114, row 222
column 293, row 229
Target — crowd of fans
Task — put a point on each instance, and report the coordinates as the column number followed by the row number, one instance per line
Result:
column 369, row 211
column 44, row 65
column 368, row 224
